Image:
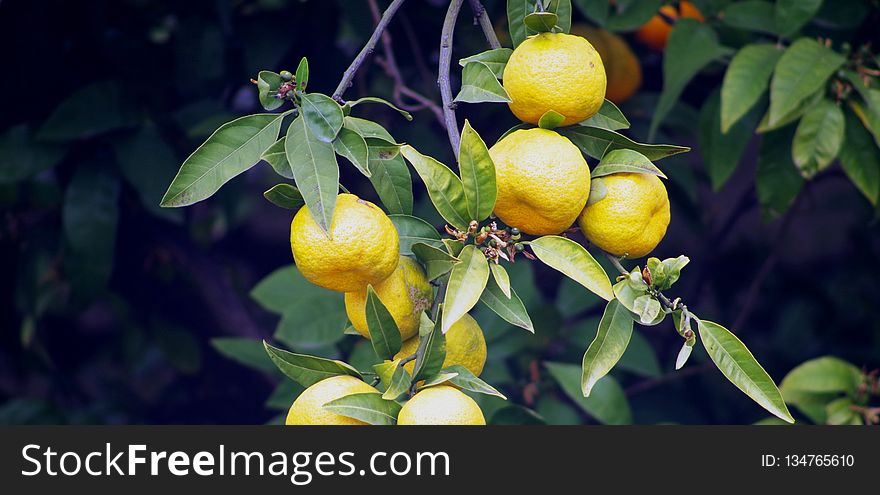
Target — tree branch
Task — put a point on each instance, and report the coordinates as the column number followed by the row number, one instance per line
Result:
column 349, row 73
column 443, row 74
column 485, row 23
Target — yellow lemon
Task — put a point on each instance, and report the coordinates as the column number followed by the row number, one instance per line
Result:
column 361, row 248
column 555, row 71
column 543, row 181
column 627, row 214
column 406, row 293
column 308, row 408
column 441, row 405
column 622, row 68
column 465, row 345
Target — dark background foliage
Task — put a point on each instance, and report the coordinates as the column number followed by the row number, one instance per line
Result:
column 108, row 304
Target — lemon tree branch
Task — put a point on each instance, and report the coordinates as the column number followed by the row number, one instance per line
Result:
column 485, row 23
column 443, row 74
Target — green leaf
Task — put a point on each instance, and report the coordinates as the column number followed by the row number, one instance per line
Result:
column 840, row 412
column 466, row 380
column 574, row 262
column 374, row 99
column 380, row 151
column 323, row 116
column 550, row 120
column 639, row 358
column 721, row 152
column 683, row 355
column 302, row 74
column 393, row 184
column 624, row 160
column 517, row 10
column 267, row 86
column 501, row 278
column 824, row 375
column 777, row 181
column 368, row 407
column 478, row 85
column 466, row 283
column 791, row 15
column 801, row 71
column 595, row 142
column 411, row 230
column 232, row 149
column 249, row 352
column 612, row 338
column 384, row 334
column 516, row 415
column 665, row 273
column 495, row 59
column 368, row 129
column 477, row 174
column 628, row 290
column 453, row 246
column 277, row 158
column 692, row 46
column 437, row 261
column 595, row 11
column 860, row 159
column 510, row 308
column 444, row 187
column 746, row 79
column 354, row 148
column 307, row 370
column 397, row 382
column 735, row 361
column 869, row 112
column 432, row 347
column 607, row 402
column 315, row 170
column 93, row 110
column 630, row 15
column 146, row 161
column 647, row 308
column 608, row 117
column 750, row 15
column 797, row 113
column 436, row 379
column 21, row 158
column 541, row 22
column 562, row 9
column 285, row 196
column 818, row 138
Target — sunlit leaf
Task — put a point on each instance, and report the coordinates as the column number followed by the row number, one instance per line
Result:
column 384, row 334
column 860, row 159
column 608, row 117
column 818, row 138
column 612, row 338
column 437, row 261
column 477, row 174
column 411, row 230
column 307, row 370
column 575, row 262
column 746, row 79
column 354, row 148
column 495, row 59
column 624, row 160
column 510, row 308
column 595, row 142
column 323, row 116
column 368, row 407
column 466, row 283
column 466, row 380
column 315, row 170
column 478, row 85
column 444, row 187
column 277, row 158
column 803, row 69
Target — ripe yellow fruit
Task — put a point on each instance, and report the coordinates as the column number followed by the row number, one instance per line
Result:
column 361, row 248
column 627, row 214
column 543, row 181
column 308, row 408
column 406, row 294
column 441, row 405
column 555, row 71
column 465, row 345
column 622, row 67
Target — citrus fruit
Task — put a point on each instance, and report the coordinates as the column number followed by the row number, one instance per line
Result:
column 627, row 214
column 360, row 249
column 543, row 181
column 655, row 32
column 406, row 293
column 555, row 71
column 441, row 405
column 465, row 345
column 622, row 68
column 308, row 408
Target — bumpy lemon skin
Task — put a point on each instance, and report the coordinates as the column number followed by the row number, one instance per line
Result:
column 465, row 345
column 308, row 408
column 362, row 248
column 406, row 294
column 632, row 217
column 441, row 405
column 622, row 68
column 555, row 71
column 543, row 181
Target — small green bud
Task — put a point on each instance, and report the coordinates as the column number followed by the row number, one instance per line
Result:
column 520, row 248
column 286, row 76
column 514, row 231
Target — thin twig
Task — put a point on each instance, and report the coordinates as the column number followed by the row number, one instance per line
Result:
column 443, row 74
column 485, row 23
column 349, row 73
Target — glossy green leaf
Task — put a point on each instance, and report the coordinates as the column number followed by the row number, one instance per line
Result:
column 501, row 278
column 511, row 308
column 745, row 81
column 323, row 116
column 477, row 174
column 792, row 116
column 439, row 378
column 393, row 183
column 411, row 230
column 612, row 338
column 466, row 283
column 478, row 85
column 267, row 87
column 541, row 22
column 307, row 370
column 249, row 352
column 232, row 149
column 562, row 9
column 353, row 147
column 630, row 15
column 595, row 142
column 607, row 402
column 750, row 15
column 802, row 70
column 824, row 375
column 285, row 196
column 384, row 334
column 665, row 273
column 624, row 160
column 432, row 348
column 818, row 138
column 867, row 111
column 453, row 246
column 395, row 378
column 444, row 187
column 738, row 364
column 368, row 407
column 495, row 59
column 595, row 11
column 315, row 170
column 791, row 15
column 368, row 129
column 608, row 117
column 374, row 99
column 466, row 380
column 517, row 10
column 550, row 120
column 302, row 74
column 437, row 261
column 573, row 261
column 276, row 156
column 777, row 181
column 860, row 159
column 721, row 152
column 647, row 308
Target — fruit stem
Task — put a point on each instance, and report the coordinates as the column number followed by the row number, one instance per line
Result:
column 443, row 74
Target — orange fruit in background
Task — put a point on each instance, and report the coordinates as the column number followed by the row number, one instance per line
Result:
column 655, row 32
column 621, row 64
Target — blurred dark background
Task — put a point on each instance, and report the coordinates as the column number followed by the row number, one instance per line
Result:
column 108, row 304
